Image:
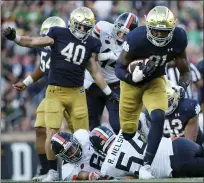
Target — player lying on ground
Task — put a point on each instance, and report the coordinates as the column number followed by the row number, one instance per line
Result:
column 111, row 37
column 181, row 117
column 73, row 50
column 159, row 42
column 175, row 157
column 80, row 161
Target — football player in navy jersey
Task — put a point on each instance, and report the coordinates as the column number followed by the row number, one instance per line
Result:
column 39, row 72
column 73, row 50
column 181, row 118
column 160, row 41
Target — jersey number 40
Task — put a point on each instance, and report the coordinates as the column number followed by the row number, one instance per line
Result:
column 74, row 53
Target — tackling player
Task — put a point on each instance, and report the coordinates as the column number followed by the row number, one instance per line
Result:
column 177, row 157
column 111, row 37
column 181, row 117
column 39, row 72
column 160, row 41
column 80, row 161
column 73, row 50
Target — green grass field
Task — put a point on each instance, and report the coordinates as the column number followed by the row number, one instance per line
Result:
column 133, row 180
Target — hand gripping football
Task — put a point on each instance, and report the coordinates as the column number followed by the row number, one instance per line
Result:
column 136, row 69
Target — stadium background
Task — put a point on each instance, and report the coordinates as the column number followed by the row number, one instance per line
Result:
column 18, row 158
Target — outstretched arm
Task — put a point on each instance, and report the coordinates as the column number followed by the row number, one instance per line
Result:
column 25, row 41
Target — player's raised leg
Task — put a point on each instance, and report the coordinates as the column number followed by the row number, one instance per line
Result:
column 130, row 108
column 156, row 102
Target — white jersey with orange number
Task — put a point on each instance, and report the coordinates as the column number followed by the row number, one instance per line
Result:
column 90, row 160
column 103, row 30
column 124, row 158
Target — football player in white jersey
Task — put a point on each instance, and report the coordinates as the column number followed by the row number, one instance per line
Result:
column 177, row 157
column 80, row 161
column 111, row 37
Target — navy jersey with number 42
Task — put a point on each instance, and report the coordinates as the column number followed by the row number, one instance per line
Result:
column 45, row 57
column 138, row 46
column 175, row 123
column 69, row 57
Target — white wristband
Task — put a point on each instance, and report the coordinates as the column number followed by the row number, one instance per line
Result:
column 107, row 90
column 27, row 81
column 17, row 39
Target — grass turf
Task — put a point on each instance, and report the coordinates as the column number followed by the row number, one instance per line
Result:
column 121, row 181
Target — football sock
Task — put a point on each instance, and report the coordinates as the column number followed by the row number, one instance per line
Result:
column 43, row 163
column 155, row 135
column 53, row 164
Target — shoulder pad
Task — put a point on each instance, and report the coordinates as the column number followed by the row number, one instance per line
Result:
column 82, row 136
column 102, row 26
column 180, row 38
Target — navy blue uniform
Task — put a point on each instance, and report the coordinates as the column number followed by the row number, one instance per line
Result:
column 188, row 158
column 200, row 67
column 175, row 123
column 141, row 47
column 69, row 57
column 45, row 56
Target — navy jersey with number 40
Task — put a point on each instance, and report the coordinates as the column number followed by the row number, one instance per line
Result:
column 45, row 56
column 69, row 57
column 138, row 46
column 175, row 123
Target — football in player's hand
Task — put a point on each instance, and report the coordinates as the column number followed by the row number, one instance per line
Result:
column 138, row 62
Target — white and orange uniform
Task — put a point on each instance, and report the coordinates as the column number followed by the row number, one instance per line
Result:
column 90, row 161
column 103, row 31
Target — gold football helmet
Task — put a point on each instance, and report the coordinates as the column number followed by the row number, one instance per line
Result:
column 173, row 97
column 160, row 18
column 51, row 22
column 82, row 21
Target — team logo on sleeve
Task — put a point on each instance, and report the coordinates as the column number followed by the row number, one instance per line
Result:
column 126, row 46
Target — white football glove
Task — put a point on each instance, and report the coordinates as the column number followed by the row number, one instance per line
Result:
column 137, row 74
column 107, row 56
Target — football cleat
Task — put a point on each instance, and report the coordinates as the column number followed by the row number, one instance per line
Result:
column 52, row 175
column 160, row 19
column 39, row 178
column 145, row 172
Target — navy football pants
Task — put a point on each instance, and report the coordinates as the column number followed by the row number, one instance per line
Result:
column 97, row 100
column 188, row 158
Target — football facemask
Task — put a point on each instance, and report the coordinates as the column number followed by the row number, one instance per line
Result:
column 67, row 147
column 160, row 24
column 82, row 21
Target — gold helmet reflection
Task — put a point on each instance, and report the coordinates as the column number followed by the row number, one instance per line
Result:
column 81, row 16
column 160, row 18
column 51, row 22
column 173, row 97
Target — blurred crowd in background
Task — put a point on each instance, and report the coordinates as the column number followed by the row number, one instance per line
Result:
column 18, row 108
